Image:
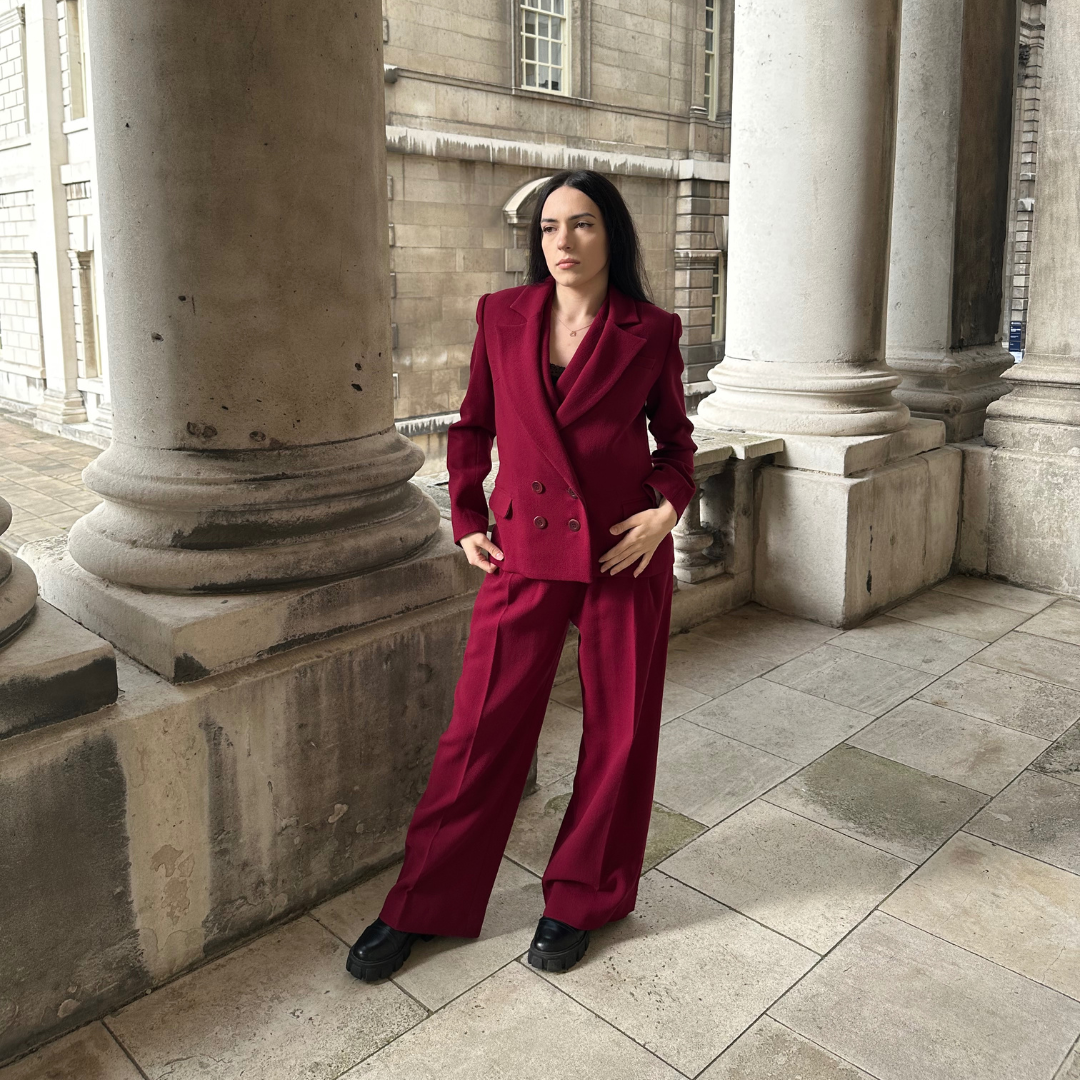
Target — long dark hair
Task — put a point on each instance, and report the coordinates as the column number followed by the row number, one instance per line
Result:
column 626, row 270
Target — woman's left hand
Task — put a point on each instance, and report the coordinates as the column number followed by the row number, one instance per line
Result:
column 643, row 533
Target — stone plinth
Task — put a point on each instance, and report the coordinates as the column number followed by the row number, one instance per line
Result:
column 856, row 524
column 53, row 671
column 190, row 637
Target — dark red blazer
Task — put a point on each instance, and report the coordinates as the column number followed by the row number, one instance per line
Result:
column 566, row 476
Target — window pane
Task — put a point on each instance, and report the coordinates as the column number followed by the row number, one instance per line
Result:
column 558, row 7
column 545, row 5
column 542, row 24
column 556, row 29
column 556, row 84
column 530, row 23
column 530, row 48
column 556, row 54
column 530, row 74
column 543, row 46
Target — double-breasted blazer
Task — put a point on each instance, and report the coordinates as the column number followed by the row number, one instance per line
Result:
column 566, row 475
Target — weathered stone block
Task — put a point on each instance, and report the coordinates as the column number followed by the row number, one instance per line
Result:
column 836, row 548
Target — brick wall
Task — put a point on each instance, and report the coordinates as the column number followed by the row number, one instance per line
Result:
column 20, row 322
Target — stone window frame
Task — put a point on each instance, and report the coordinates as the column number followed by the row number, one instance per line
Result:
column 517, row 213
column 576, row 69
column 709, row 70
column 549, row 10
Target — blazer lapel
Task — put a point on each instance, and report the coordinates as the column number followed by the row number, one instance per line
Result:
column 617, row 347
column 519, row 344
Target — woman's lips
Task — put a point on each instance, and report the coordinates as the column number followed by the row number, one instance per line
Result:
column 566, row 263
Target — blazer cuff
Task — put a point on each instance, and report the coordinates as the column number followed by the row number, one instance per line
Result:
column 674, row 488
column 465, row 522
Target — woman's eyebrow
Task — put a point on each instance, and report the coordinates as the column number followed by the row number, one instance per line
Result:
column 584, row 213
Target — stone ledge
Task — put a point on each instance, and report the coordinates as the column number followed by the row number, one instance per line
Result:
column 53, row 670
column 184, row 637
column 841, row 455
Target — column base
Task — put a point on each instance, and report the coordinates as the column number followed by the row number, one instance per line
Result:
column 818, row 398
column 836, row 545
column 18, row 594
column 186, row 637
column 953, row 386
column 58, row 409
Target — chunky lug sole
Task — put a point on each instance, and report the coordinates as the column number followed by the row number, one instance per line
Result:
column 373, row 970
column 559, row 961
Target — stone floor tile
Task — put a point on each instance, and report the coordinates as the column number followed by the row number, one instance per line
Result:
column 540, row 815
column 958, row 615
column 710, row 667
column 513, row 1026
column 281, row 1006
column 886, row 804
column 768, row 633
column 682, row 974
column 560, row 738
column 808, row 882
column 997, row 903
column 903, row 1004
column 537, row 824
column 1070, row 1067
column 850, row 678
column 1038, row 815
column 780, row 720
column 921, row 647
column 770, row 1051
column 948, row 744
column 1062, row 758
column 678, row 699
column 439, row 970
column 1037, row 657
column 1028, row 705
column 996, row 592
column 1060, row 621
column 90, row 1053
column 39, row 505
column 706, row 775
column 65, row 520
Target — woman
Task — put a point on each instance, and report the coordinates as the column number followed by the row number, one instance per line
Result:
column 567, row 369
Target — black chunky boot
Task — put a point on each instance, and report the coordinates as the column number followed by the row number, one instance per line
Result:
column 380, row 950
column 557, row 946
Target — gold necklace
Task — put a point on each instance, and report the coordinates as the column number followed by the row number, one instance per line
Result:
column 574, row 333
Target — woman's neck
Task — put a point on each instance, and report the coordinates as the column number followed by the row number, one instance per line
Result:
column 579, row 304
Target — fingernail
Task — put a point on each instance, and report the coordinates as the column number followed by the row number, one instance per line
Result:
column 498, row 555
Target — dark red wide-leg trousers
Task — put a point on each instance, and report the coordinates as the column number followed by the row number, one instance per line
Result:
column 461, row 825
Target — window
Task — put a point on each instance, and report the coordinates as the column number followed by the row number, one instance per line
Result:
column 72, row 20
column 544, row 43
column 710, row 58
column 718, row 300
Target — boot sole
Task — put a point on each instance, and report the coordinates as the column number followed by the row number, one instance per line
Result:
column 560, row 961
column 374, row 970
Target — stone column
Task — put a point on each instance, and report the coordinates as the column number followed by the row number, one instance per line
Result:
column 858, row 508
column 1034, row 476
column 240, row 150
column 950, row 201
column 814, row 108
column 62, row 404
column 18, row 586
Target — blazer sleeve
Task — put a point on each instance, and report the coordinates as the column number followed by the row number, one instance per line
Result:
column 665, row 407
column 469, row 440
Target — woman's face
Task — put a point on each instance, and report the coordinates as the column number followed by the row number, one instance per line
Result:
column 574, row 239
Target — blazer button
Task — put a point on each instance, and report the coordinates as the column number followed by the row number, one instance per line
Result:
column 572, row 493
column 574, row 524
column 539, row 522
column 537, row 486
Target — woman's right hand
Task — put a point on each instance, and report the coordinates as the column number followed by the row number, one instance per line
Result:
column 477, row 547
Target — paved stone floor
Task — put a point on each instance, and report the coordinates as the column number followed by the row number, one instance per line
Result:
column 41, row 476
column 863, row 864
